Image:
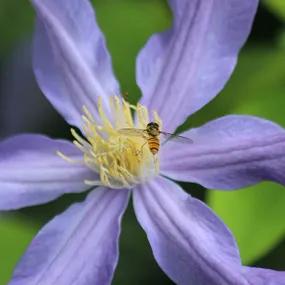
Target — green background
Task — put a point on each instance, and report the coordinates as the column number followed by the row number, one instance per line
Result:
column 255, row 214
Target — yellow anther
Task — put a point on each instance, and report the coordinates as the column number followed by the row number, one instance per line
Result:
column 117, row 158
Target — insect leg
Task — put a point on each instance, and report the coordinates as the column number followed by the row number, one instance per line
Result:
column 156, row 164
column 141, row 149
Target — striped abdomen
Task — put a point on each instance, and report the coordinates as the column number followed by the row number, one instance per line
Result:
column 153, row 143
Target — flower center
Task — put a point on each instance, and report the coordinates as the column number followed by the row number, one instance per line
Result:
column 118, row 148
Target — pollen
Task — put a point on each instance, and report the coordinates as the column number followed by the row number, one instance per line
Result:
column 121, row 160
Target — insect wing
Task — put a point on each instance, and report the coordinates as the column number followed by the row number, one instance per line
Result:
column 172, row 137
column 132, row 132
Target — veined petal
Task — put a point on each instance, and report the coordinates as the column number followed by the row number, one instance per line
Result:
column 71, row 62
column 228, row 153
column 189, row 242
column 32, row 173
column 260, row 276
column 79, row 246
column 181, row 70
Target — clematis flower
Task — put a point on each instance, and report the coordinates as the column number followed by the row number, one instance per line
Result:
column 178, row 72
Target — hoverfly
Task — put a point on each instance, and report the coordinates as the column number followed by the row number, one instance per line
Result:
column 151, row 134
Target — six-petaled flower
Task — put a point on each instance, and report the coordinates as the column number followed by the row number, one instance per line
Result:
column 178, row 72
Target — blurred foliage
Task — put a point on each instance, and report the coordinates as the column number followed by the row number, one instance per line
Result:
column 16, row 22
column 277, row 7
column 127, row 30
column 255, row 215
column 256, row 87
column 15, row 236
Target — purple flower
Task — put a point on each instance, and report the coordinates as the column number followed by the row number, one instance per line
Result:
column 178, row 72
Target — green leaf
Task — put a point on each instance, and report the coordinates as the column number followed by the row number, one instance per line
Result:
column 15, row 235
column 256, row 214
column 277, row 7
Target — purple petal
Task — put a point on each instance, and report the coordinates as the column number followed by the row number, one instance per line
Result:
column 260, row 276
column 228, row 153
column 79, row 246
column 189, row 242
column 71, row 62
column 32, row 173
column 181, row 70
